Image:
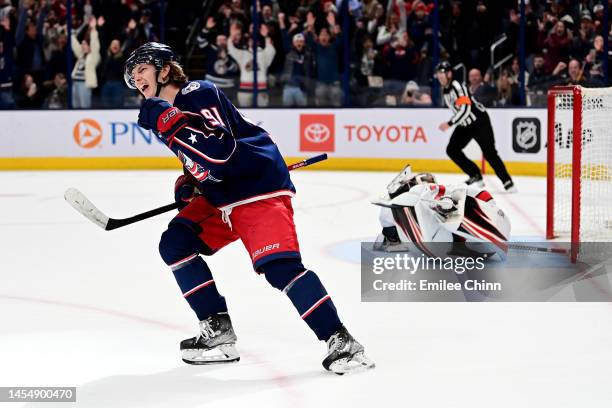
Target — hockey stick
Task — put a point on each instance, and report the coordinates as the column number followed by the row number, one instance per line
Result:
column 82, row 204
column 307, row 162
column 522, row 247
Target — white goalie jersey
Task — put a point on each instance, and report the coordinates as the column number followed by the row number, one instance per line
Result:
column 427, row 214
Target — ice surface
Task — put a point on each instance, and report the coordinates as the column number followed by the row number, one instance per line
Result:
column 99, row 310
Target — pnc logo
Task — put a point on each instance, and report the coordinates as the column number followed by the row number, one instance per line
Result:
column 317, row 132
column 87, row 133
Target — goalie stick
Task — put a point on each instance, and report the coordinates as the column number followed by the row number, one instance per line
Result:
column 83, row 205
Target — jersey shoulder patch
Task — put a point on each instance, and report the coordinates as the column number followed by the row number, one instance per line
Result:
column 192, row 86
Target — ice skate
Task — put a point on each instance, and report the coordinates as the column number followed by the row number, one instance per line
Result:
column 345, row 354
column 477, row 180
column 384, row 244
column 216, row 342
column 510, row 187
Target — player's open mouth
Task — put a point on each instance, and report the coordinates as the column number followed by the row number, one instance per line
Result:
column 144, row 88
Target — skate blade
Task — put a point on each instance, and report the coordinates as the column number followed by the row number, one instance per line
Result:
column 358, row 363
column 396, row 248
column 224, row 353
column 399, row 247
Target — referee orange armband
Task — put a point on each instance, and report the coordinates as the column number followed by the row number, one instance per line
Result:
column 463, row 100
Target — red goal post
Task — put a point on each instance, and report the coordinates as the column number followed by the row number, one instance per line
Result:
column 579, row 182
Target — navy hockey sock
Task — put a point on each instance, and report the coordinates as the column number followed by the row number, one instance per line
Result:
column 179, row 248
column 307, row 294
column 198, row 287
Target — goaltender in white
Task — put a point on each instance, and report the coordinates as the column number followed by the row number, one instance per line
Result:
column 418, row 214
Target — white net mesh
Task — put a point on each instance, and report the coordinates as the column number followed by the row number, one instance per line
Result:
column 563, row 134
column 596, row 169
column 596, row 164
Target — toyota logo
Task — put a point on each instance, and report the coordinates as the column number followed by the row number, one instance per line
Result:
column 317, row 133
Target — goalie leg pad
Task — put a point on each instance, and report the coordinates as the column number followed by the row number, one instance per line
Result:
column 179, row 247
column 385, row 217
column 307, row 294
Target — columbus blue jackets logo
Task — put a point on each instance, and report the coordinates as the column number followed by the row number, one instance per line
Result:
column 197, row 171
column 192, row 86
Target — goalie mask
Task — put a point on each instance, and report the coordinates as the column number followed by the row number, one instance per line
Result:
column 405, row 180
column 422, row 178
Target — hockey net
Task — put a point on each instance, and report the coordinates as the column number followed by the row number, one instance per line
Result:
column 579, row 175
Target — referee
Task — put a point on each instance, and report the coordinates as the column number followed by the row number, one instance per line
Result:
column 472, row 122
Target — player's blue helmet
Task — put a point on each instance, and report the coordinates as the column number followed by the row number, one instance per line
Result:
column 150, row 53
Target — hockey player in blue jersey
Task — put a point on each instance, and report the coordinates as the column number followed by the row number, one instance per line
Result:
column 236, row 186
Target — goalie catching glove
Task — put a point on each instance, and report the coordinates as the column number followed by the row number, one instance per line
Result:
column 444, row 206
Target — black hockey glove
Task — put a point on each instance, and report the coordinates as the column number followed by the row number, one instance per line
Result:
column 185, row 190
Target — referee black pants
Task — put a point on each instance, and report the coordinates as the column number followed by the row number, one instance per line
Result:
column 482, row 132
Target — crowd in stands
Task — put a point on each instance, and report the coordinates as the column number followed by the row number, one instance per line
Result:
column 307, row 52
column 38, row 49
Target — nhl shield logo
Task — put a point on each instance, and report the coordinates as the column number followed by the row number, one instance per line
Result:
column 526, row 135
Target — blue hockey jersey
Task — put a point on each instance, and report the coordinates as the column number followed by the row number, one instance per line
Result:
column 234, row 160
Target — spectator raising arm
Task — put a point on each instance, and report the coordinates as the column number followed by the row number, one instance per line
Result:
column 244, row 58
column 268, row 52
column 84, row 74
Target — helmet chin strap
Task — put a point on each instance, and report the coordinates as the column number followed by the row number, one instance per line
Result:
column 159, row 84
column 159, row 87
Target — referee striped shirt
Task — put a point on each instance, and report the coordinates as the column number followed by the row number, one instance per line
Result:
column 466, row 109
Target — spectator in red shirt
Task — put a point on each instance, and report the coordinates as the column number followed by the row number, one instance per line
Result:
column 556, row 44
